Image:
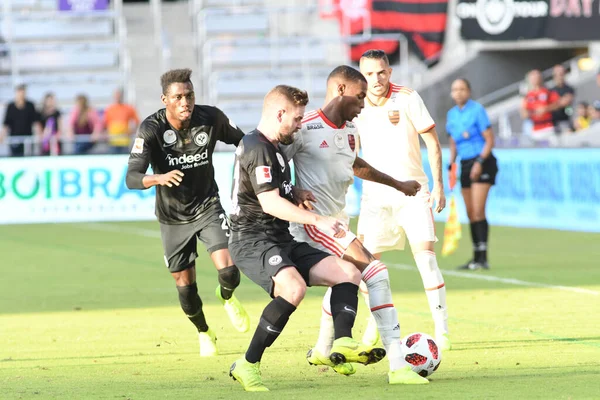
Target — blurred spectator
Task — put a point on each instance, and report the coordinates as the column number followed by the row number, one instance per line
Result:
column 582, row 118
column 594, row 111
column 562, row 116
column 84, row 120
column 21, row 119
column 538, row 105
column 121, row 121
column 51, row 126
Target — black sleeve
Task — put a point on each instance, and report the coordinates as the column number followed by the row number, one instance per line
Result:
column 139, row 158
column 227, row 130
column 8, row 117
column 258, row 164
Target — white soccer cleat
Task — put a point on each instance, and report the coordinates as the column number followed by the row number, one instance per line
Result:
column 208, row 343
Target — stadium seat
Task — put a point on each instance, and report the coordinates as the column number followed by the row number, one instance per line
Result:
column 260, row 55
column 62, row 28
column 66, row 56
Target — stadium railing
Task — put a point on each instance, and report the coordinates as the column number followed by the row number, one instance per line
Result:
column 33, row 144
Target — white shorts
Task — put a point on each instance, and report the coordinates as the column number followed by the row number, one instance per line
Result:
column 323, row 240
column 384, row 227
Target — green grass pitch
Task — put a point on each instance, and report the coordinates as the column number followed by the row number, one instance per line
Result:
column 88, row 311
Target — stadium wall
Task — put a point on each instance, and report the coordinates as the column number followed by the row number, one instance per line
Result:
column 537, row 188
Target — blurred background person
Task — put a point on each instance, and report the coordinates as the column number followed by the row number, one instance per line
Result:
column 21, row 120
column 472, row 140
column 50, row 119
column 537, row 106
column 594, row 112
column 561, row 117
column 582, row 117
column 121, row 121
column 84, row 120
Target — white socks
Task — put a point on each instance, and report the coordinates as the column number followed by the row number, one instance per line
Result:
column 435, row 289
column 377, row 280
column 326, row 331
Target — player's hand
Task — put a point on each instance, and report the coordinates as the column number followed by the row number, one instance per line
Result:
column 304, row 198
column 452, row 176
column 438, row 198
column 409, row 188
column 170, row 178
column 330, row 224
column 475, row 172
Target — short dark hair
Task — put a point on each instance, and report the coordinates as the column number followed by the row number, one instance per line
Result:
column 376, row 54
column 346, row 73
column 175, row 76
column 292, row 94
column 22, row 86
column 466, row 82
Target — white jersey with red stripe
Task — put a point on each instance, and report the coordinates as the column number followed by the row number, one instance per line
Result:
column 323, row 155
column 389, row 139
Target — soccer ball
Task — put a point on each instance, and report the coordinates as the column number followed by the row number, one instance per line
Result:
column 422, row 353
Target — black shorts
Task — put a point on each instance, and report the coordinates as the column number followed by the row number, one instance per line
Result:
column 179, row 240
column 261, row 259
column 489, row 171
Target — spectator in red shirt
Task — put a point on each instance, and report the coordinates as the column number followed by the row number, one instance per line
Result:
column 538, row 105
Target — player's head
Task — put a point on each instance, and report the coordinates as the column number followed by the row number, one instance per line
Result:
column 375, row 66
column 283, row 110
column 178, row 94
column 558, row 74
column 460, row 91
column 535, row 78
column 348, row 86
column 118, row 96
column 20, row 93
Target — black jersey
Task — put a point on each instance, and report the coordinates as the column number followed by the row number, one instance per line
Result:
column 260, row 167
column 190, row 151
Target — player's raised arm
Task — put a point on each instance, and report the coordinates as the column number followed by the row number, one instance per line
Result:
column 364, row 170
column 139, row 160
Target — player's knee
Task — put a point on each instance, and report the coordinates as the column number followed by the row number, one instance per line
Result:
column 477, row 215
column 185, row 277
column 293, row 291
column 352, row 274
column 188, row 299
column 229, row 277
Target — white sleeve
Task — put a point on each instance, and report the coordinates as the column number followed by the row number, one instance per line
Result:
column 291, row 149
column 418, row 114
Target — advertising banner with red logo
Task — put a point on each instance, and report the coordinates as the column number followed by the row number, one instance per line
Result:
column 506, row 20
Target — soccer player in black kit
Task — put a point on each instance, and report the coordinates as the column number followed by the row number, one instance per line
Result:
column 264, row 200
column 178, row 142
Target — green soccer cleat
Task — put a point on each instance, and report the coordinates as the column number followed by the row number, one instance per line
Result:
column 208, row 343
column 406, row 376
column 443, row 342
column 314, row 357
column 348, row 350
column 248, row 375
column 371, row 335
column 235, row 311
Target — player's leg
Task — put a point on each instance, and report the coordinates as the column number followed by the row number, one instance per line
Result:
column 268, row 265
column 213, row 231
column 343, row 278
column 179, row 243
column 417, row 220
column 479, row 224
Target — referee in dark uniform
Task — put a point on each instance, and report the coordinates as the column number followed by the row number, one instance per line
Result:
column 264, row 200
column 178, row 142
column 472, row 139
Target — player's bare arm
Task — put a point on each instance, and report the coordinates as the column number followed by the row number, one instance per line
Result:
column 477, row 169
column 304, row 198
column 273, row 204
column 364, row 170
column 434, row 152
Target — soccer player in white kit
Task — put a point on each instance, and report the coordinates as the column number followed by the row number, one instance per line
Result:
column 390, row 125
column 325, row 163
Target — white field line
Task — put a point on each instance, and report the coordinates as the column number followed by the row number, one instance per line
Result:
column 483, row 276
column 490, row 278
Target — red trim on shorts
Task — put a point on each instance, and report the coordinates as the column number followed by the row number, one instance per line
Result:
column 426, row 251
column 321, row 238
column 325, row 311
column 433, row 222
column 381, row 307
column 436, row 288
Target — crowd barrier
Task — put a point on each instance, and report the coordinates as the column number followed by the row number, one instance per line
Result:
column 537, row 188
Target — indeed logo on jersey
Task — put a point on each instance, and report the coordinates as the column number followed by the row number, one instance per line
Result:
column 187, row 161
